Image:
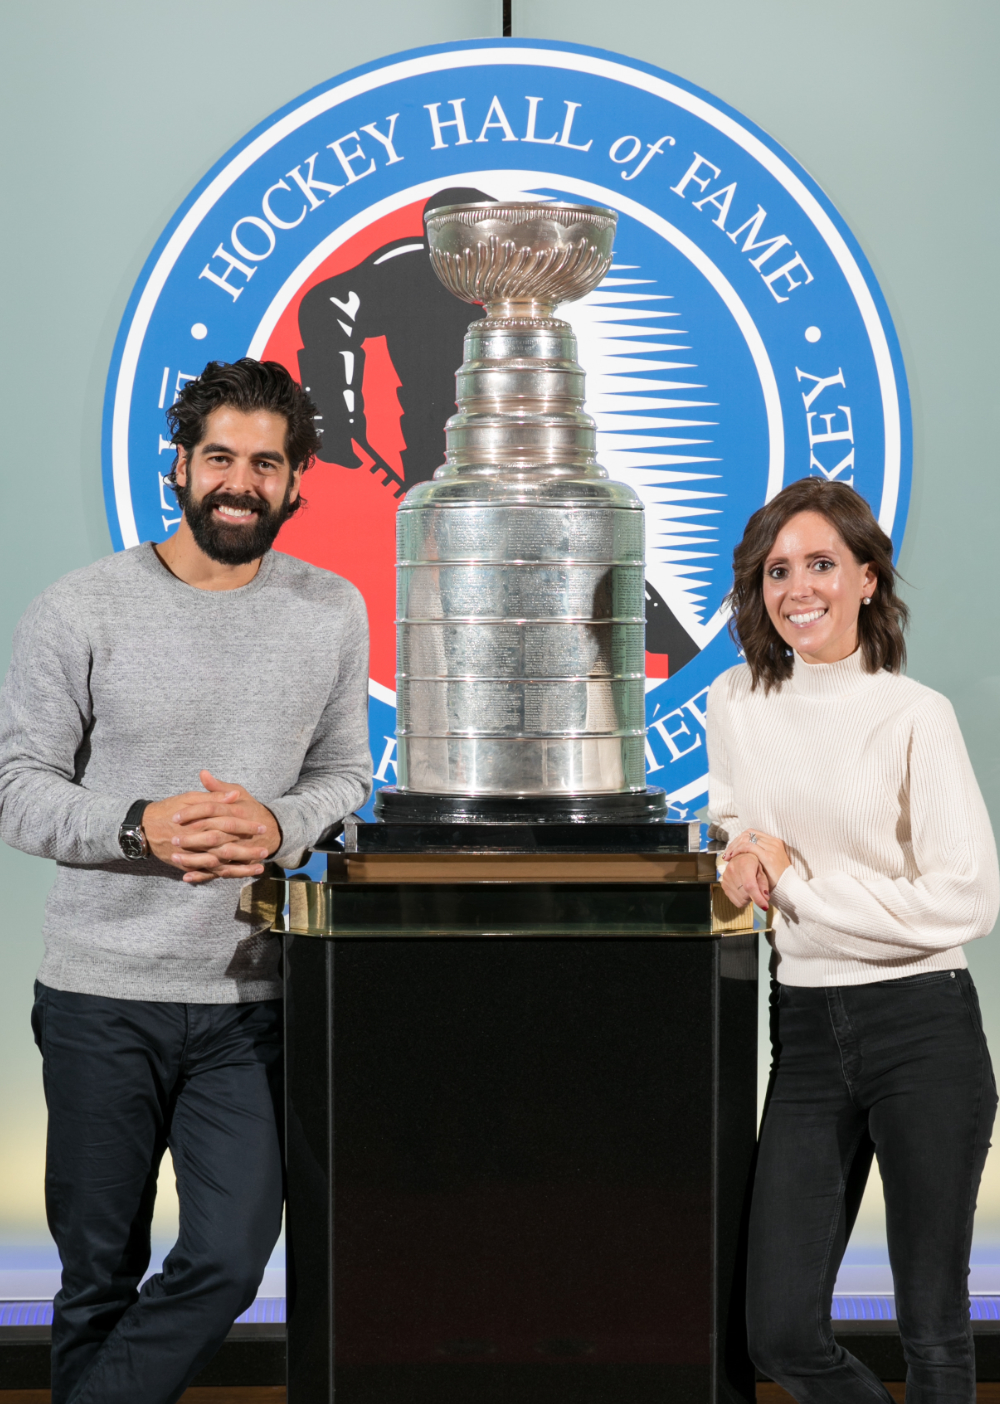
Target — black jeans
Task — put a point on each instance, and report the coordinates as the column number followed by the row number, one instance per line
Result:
column 124, row 1079
column 901, row 1069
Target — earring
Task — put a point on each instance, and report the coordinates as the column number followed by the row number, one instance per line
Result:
column 867, row 600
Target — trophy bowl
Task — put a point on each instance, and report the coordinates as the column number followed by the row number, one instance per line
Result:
column 515, row 253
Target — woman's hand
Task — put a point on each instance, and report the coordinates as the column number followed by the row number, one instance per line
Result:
column 744, row 880
column 770, row 853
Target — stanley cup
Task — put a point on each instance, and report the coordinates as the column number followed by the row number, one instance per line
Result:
column 520, row 593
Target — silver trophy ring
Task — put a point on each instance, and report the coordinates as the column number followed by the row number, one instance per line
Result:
column 753, row 837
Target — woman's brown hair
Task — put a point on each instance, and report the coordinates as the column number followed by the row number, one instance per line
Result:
column 880, row 624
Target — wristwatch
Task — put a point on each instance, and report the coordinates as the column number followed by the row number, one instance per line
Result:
column 131, row 839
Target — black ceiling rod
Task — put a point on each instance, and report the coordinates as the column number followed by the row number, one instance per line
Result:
column 506, row 18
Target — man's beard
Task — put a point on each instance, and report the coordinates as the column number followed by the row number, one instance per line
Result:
column 234, row 545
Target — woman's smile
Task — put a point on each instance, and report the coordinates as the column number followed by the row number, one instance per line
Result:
column 803, row 620
column 813, row 588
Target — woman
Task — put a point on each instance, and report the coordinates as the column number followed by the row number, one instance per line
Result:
column 846, row 799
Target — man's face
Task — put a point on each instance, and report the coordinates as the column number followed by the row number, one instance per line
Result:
column 235, row 487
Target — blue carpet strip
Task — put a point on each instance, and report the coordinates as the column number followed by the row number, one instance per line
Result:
column 877, row 1306
column 264, row 1309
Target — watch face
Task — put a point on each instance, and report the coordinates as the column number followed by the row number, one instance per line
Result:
column 131, row 843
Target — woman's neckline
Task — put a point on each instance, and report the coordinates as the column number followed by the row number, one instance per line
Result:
column 838, row 679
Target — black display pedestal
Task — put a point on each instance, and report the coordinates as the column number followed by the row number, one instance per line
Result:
column 517, row 1162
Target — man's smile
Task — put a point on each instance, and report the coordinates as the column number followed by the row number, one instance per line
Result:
column 235, row 514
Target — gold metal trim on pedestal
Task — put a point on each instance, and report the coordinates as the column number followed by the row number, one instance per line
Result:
column 302, row 908
column 520, row 867
column 727, row 918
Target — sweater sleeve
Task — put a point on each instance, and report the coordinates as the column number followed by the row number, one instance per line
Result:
column 45, row 716
column 723, row 821
column 954, row 898
column 336, row 774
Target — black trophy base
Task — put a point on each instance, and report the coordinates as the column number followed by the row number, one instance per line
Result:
column 409, row 807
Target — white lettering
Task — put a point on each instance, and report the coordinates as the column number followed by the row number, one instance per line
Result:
column 269, row 213
column 348, row 358
column 571, row 111
column 830, row 473
column 307, row 184
column 169, row 522
column 830, row 435
column 785, row 272
column 529, row 131
column 222, row 280
column 701, row 717
column 721, row 199
column 770, row 246
column 496, row 117
column 163, row 387
column 670, row 737
column 458, row 122
column 346, row 157
column 652, row 149
column 629, row 156
column 165, row 487
column 819, row 384
column 673, row 727
column 261, row 224
column 164, row 445
column 386, row 141
column 691, row 174
column 388, row 758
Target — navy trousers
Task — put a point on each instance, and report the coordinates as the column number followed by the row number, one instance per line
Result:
column 124, row 1079
column 898, row 1069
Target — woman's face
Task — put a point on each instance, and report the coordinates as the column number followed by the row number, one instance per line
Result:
column 813, row 588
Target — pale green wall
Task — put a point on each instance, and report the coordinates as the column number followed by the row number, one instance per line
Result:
column 113, row 110
column 892, row 106
column 110, row 111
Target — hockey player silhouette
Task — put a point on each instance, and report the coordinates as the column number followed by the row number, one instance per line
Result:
column 393, row 293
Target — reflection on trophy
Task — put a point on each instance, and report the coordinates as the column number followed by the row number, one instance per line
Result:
column 520, row 594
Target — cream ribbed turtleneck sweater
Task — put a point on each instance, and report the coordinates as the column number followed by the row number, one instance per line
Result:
column 866, row 778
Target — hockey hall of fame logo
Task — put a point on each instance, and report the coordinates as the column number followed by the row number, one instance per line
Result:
column 739, row 340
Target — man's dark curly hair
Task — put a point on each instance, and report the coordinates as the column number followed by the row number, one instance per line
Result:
column 246, row 385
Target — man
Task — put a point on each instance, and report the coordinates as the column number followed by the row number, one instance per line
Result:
column 211, row 658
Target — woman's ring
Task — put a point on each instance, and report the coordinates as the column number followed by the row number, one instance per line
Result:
column 753, row 836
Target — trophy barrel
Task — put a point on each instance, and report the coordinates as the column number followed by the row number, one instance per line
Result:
column 521, row 640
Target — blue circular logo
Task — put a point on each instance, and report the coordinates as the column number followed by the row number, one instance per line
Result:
column 738, row 342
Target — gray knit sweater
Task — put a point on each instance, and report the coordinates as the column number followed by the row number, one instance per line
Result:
column 124, row 684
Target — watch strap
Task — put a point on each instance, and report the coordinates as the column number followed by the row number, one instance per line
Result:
column 131, row 839
column 135, row 812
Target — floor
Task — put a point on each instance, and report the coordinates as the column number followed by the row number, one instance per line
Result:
column 274, row 1395
column 766, row 1394
column 774, row 1394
